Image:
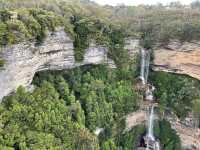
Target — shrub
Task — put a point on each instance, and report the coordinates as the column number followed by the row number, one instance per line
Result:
column 116, row 41
column 47, row 21
column 4, row 15
column 2, row 62
column 168, row 137
column 31, row 23
column 17, row 31
column 3, row 33
column 81, row 40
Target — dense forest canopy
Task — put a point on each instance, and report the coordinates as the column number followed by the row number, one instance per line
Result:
column 67, row 107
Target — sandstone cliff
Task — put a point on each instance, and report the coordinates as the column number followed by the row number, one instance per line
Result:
column 177, row 57
column 25, row 59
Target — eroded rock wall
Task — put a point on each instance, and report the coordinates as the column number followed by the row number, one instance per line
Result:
column 177, row 57
column 56, row 52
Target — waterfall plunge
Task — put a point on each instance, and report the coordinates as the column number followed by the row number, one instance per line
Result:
column 152, row 143
column 151, row 124
column 144, row 66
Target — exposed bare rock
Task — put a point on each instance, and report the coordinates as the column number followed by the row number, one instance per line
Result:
column 188, row 133
column 190, row 137
column 55, row 53
column 133, row 46
column 25, row 59
column 135, row 118
column 176, row 57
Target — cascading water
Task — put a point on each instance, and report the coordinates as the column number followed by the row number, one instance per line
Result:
column 147, row 66
column 144, row 65
column 149, row 93
column 144, row 73
column 150, row 124
column 152, row 144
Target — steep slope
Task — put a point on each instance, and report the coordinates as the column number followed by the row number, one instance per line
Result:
column 25, row 59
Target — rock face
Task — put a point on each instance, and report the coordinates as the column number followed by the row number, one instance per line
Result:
column 25, row 59
column 176, row 57
column 189, row 136
column 136, row 118
column 56, row 53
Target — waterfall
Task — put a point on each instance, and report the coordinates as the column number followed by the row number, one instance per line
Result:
column 144, row 73
column 151, row 124
column 152, row 143
column 147, row 66
column 149, row 93
column 144, row 65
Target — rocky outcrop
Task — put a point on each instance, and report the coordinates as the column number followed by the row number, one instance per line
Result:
column 25, row 59
column 177, row 57
column 56, row 52
column 136, row 118
column 133, row 46
column 189, row 136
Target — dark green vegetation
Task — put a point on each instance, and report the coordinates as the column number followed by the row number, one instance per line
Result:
column 168, row 137
column 113, row 37
column 41, row 120
column 26, row 24
column 177, row 93
column 131, row 139
column 66, row 108
column 104, row 95
column 2, row 62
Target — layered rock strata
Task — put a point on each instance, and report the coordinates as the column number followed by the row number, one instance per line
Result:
column 177, row 57
column 55, row 53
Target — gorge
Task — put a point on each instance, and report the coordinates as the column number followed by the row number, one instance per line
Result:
column 76, row 75
column 56, row 53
